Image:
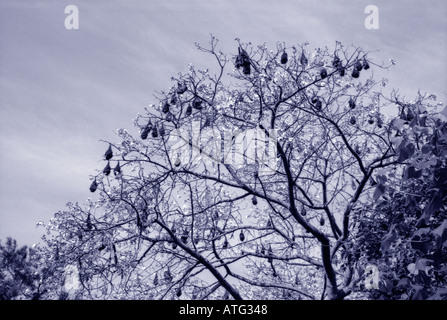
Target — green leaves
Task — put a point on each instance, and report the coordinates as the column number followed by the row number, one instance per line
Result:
column 380, row 190
column 405, row 151
column 387, row 241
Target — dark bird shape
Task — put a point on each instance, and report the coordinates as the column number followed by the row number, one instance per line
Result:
column 303, row 59
column 93, row 186
column 341, row 70
column 323, row 73
column 161, row 130
column 284, row 57
column 145, row 132
column 355, row 73
column 254, row 200
column 336, row 62
column 246, row 69
column 358, row 66
column 197, row 103
column 107, row 169
column 317, row 103
column 154, row 132
column 303, row 211
column 365, row 64
column 109, row 153
column 117, row 169
column 181, row 88
column 165, row 108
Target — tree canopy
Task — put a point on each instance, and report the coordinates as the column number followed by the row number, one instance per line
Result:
column 274, row 176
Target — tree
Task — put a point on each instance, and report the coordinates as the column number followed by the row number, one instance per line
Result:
column 249, row 183
column 24, row 274
column 405, row 232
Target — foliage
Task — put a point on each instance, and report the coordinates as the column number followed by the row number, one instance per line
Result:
column 405, row 232
column 24, row 273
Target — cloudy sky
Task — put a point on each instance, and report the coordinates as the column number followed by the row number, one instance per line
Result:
column 62, row 91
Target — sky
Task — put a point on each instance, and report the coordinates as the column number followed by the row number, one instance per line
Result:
column 64, row 91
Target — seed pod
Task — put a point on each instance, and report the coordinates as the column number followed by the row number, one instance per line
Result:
column 355, row 73
column 351, row 103
column 225, row 244
column 184, row 239
column 179, row 292
column 107, row 169
column 102, row 247
column 117, row 169
column 321, row 221
column 196, row 241
column 93, row 186
column 358, row 66
column 379, row 122
column 323, row 73
column 174, row 245
column 181, row 88
column 109, row 153
column 365, row 64
column 262, row 250
column 165, row 108
column 284, row 57
column 241, row 236
column 370, row 120
column 318, row 105
column 197, row 103
column 341, row 70
column 303, row 59
column 188, row 111
column 254, row 200
column 352, row 120
column 156, row 279
column 177, row 162
column 173, row 99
